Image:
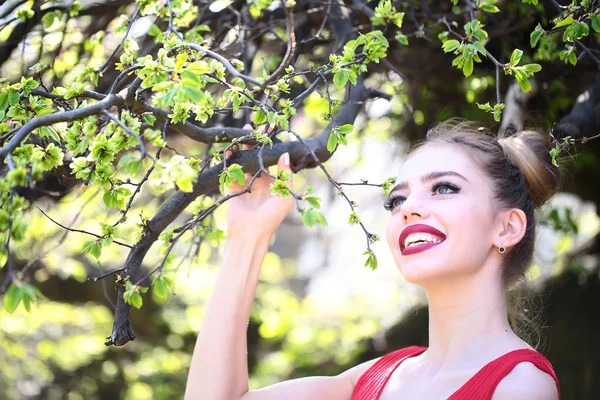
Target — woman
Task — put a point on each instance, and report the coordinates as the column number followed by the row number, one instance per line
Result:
column 462, row 227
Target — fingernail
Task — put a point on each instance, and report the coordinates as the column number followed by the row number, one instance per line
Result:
column 286, row 159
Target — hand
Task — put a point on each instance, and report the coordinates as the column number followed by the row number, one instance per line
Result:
column 257, row 214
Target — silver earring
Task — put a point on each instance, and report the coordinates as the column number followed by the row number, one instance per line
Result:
column 501, row 249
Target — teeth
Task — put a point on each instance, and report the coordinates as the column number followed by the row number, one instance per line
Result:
column 415, row 239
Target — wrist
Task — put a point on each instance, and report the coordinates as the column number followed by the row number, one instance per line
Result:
column 250, row 237
column 245, row 253
column 248, row 244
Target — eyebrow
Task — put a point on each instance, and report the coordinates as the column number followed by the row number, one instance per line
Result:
column 428, row 177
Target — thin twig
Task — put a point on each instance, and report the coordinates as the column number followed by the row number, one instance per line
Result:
column 132, row 133
column 105, row 65
column 82, row 231
column 104, row 275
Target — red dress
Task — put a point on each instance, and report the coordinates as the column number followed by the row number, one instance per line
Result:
column 480, row 387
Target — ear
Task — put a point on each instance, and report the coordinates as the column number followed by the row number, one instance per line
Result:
column 513, row 224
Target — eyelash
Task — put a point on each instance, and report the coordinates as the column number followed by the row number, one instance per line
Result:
column 388, row 204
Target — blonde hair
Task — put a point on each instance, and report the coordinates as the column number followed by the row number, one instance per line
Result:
column 529, row 152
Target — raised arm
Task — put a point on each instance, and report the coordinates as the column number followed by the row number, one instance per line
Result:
column 219, row 369
column 219, row 366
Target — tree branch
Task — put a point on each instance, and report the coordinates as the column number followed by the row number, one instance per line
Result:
column 301, row 156
column 50, row 119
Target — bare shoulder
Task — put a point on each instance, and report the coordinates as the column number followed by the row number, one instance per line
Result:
column 338, row 387
column 526, row 381
column 355, row 372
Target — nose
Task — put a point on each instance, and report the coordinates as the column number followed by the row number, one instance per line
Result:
column 413, row 209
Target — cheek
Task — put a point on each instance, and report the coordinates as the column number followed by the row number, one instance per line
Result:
column 392, row 232
column 472, row 230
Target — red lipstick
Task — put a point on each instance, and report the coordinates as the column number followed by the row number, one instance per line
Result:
column 419, row 228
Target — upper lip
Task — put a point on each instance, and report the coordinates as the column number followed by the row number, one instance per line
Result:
column 419, row 228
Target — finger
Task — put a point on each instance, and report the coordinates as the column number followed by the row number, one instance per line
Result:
column 247, row 146
column 285, row 140
column 284, row 165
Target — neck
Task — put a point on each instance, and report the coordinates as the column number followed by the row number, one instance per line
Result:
column 466, row 315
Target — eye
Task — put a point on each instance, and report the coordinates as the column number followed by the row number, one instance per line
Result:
column 445, row 188
column 393, row 201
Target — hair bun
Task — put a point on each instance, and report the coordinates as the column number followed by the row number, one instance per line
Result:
column 529, row 152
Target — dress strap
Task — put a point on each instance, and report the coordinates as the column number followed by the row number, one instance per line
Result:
column 483, row 384
column 371, row 383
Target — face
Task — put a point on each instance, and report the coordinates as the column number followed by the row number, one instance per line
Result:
column 442, row 224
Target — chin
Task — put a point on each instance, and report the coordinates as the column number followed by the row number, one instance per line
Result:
column 420, row 272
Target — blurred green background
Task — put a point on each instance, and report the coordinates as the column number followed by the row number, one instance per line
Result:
column 318, row 310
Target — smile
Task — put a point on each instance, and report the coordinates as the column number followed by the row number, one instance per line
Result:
column 418, row 238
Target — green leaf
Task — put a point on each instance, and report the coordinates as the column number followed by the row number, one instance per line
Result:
column 13, row 98
column 168, row 98
column 279, row 188
column 48, row 19
column 259, row 117
column 199, row 67
column 3, row 257
column 46, row 131
column 159, row 87
column 489, row 8
column 332, row 141
column 314, row 201
column 12, row 298
column 346, row 129
column 237, row 173
column 3, row 101
column 150, row 119
column 130, row 165
column 554, row 153
column 159, row 287
column 154, row 30
column 567, row 21
column 26, row 302
column 92, row 247
column 450, row 45
column 309, row 217
column 192, row 92
column 480, row 48
column 485, row 107
column 498, row 112
column 185, row 176
column 371, row 260
column 523, row 81
column 136, row 300
column 468, row 66
column 340, row 79
column 353, row 219
column 532, row 68
column 320, row 218
column 116, row 198
column 179, row 61
column 515, row 57
column 596, row 22
column 536, row 35
column 352, row 77
column 32, row 292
